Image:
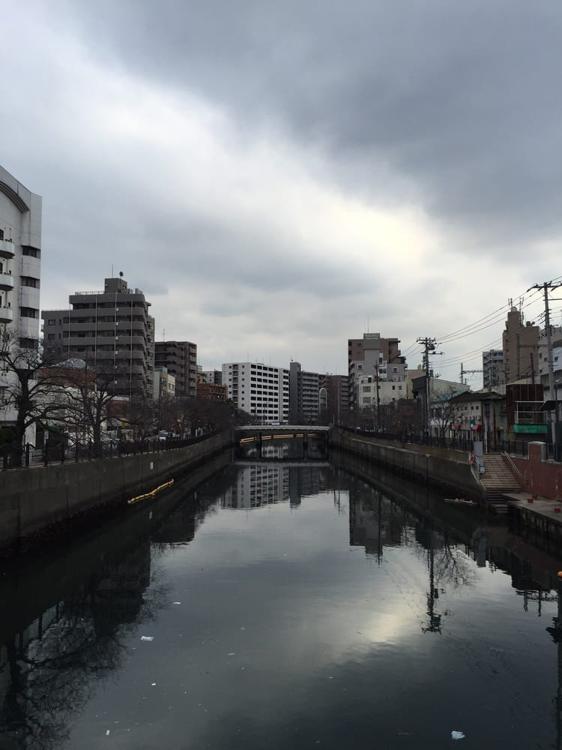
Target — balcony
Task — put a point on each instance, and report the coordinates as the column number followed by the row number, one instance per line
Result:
column 6, row 315
column 6, row 282
column 7, row 249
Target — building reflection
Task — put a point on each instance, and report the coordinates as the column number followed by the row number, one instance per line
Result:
column 257, row 485
column 47, row 667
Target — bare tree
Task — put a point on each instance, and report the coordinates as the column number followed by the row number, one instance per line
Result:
column 443, row 414
column 89, row 397
column 31, row 388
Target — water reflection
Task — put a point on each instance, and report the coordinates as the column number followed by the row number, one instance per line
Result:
column 345, row 604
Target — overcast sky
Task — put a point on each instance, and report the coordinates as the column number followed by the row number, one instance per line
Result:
column 279, row 176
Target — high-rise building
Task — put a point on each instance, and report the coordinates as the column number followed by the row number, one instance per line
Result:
column 493, row 368
column 259, row 390
column 376, row 356
column 20, row 273
column 520, row 348
column 180, row 359
column 20, row 260
column 304, row 395
column 111, row 331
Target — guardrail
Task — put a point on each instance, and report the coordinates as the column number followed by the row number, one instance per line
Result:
column 59, row 453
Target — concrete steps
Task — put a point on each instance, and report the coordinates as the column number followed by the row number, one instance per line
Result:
column 498, row 479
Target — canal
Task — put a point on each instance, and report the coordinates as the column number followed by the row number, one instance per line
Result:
column 284, row 606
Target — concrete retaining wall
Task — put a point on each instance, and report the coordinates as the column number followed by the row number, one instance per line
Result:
column 34, row 499
column 540, row 477
column 455, row 476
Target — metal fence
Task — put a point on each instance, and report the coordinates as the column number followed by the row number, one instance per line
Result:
column 15, row 457
column 514, row 447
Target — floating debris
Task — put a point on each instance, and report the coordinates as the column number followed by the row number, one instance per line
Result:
column 147, row 637
column 456, row 735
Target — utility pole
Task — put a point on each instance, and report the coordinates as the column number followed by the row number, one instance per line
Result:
column 429, row 346
column 378, row 397
column 467, row 372
column 546, row 286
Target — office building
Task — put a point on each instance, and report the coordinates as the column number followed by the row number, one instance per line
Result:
column 111, row 330
column 493, row 369
column 259, row 390
column 180, row 359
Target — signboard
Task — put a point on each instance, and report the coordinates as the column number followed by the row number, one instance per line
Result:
column 534, row 429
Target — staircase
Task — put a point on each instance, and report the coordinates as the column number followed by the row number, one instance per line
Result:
column 499, row 479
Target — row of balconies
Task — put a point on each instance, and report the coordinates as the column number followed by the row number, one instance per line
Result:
column 7, row 249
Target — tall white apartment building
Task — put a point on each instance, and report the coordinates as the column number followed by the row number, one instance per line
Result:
column 259, row 390
column 20, row 269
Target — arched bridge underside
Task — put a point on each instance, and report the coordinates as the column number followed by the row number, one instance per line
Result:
column 261, row 439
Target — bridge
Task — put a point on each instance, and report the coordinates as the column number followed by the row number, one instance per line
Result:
column 262, row 436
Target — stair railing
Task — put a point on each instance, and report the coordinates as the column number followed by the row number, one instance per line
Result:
column 514, row 468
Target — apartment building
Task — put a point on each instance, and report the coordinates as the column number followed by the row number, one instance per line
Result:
column 376, row 356
column 259, row 390
column 20, row 272
column 304, row 395
column 180, row 359
column 111, row 330
column 493, row 368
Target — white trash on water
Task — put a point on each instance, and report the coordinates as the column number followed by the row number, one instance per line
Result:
column 147, row 637
column 456, row 735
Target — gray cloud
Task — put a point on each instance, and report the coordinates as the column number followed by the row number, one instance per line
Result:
column 447, row 109
column 459, row 98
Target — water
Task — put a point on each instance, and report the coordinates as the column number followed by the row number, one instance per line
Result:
column 281, row 607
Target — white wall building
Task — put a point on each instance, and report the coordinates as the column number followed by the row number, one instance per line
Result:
column 259, row 390
column 20, row 269
column 388, row 391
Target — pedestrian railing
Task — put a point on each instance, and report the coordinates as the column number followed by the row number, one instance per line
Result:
column 14, row 457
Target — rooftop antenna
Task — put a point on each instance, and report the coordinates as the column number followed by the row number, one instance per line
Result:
column 163, row 334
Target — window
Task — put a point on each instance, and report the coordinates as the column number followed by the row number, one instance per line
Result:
column 30, row 281
column 29, row 312
column 31, row 252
